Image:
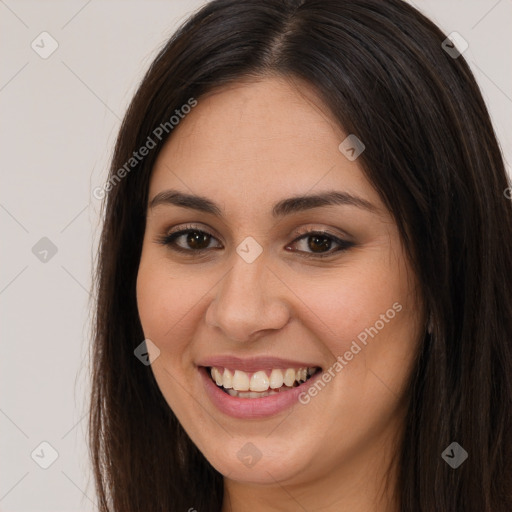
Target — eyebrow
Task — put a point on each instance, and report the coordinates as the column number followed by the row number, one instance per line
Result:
column 280, row 209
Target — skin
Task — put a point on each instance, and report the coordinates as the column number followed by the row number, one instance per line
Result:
column 245, row 147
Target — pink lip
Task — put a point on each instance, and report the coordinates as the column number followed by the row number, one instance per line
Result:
column 253, row 364
column 253, row 408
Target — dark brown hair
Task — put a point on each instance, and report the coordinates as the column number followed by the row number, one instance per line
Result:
column 432, row 155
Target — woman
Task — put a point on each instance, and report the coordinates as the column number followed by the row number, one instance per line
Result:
column 305, row 273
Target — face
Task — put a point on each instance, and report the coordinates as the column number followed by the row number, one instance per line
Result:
column 263, row 290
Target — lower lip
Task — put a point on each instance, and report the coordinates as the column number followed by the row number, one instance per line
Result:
column 252, row 408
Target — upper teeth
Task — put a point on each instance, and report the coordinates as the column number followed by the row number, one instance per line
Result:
column 259, row 381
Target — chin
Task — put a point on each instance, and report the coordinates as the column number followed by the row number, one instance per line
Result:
column 258, row 460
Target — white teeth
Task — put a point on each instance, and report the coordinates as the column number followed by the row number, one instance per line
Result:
column 240, row 381
column 227, row 379
column 259, row 381
column 251, row 394
column 259, row 384
column 289, row 377
column 276, row 379
column 217, row 376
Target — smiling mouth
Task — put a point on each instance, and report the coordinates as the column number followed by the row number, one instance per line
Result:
column 240, row 384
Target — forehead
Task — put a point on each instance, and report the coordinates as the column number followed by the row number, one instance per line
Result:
column 258, row 140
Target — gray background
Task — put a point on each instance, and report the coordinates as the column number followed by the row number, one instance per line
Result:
column 59, row 117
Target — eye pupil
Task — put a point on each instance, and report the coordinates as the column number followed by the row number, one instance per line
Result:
column 194, row 240
column 314, row 243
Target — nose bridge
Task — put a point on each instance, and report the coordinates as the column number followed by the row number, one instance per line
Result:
column 244, row 285
column 245, row 303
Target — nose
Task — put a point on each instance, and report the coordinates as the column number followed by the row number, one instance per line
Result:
column 249, row 302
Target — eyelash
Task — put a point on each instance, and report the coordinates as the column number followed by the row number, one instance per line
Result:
column 169, row 240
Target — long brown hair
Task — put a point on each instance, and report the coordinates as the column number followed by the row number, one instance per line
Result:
column 431, row 153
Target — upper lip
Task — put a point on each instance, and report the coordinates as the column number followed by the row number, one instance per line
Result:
column 253, row 364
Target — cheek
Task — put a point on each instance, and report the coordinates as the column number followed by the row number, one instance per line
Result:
column 368, row 321
column 347, row 302
column 369, row 315
column 165, row 302
column 168, row 311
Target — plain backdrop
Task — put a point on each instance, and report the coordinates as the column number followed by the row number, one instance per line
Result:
column 60, row 116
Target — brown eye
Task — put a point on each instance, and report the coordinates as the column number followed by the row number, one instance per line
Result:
column 191, row 240
column 198, row 240
column 312, row 244
column 320, row 245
